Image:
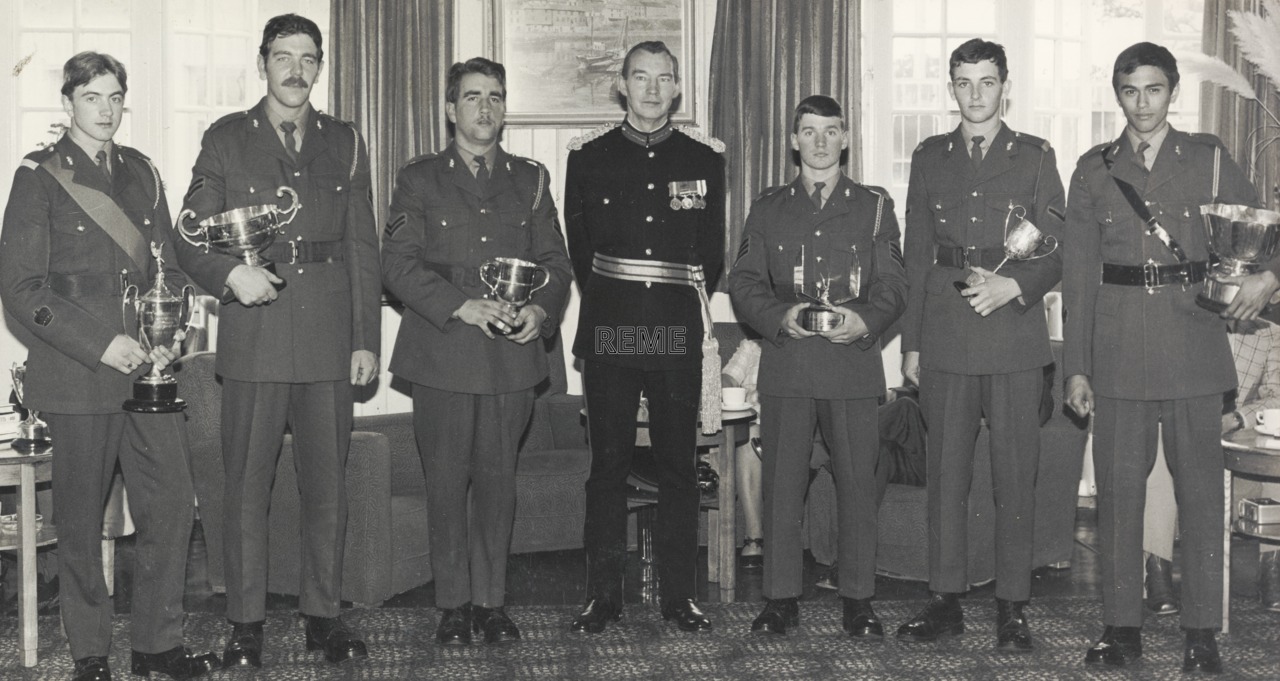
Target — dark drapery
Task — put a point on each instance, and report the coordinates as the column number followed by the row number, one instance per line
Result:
column 767, row 55
column 387, row 62
column 1237, row 120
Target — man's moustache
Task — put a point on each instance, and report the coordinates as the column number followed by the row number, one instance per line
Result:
column 295, row 82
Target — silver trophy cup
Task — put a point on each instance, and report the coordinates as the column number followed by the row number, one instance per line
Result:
column 158, row 316
column 1020, row 243
column 512, row 281
column 33, row 432
column 243, row 232
column 821, row 315
column 1243, row 239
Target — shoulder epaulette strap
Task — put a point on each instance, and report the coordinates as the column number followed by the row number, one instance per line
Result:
column 228, row 118
column 577, row 142
column 1206, row 138
column 130, row 151
column 1098, row 149
column 1032, row 140
column 932, row 140
column 32, row 161
column 771, row 191
column 699, row 136
column 542, row 178
column 419, row 159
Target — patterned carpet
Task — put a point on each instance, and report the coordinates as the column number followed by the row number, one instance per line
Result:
column 642, row 646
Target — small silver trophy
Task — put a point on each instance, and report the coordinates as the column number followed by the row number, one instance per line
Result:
column 158, row 315
column 244, row 232
column 511, row 281
column 1243, row 239
column 33, row 432
column 1020, row 243
column 821, row 314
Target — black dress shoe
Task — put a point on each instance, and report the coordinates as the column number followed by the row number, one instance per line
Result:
column 494, row 623
column 92, row 669
column 754, row 562
column 1161, row 598
column 1118, row 647
column 686, row 614
column 860, row 619
column 778, row 614
column 941, row 617
column 598, row 612
column 455, row 626
column 178, row 663
column 244, row 648
column 1013, row 635
column 1201, row 652
column 335, row 638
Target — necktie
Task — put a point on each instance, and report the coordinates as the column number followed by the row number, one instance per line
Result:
column 103, row 165
column 975, row 156
column 817, row 194
column 1142, row 155
column 482, row 174
column 290, row 142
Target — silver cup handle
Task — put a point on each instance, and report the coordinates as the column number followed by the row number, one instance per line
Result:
column 489, row 275
column 546, row 279
column 293, row 206
column 189, row 236
column 1047, row 237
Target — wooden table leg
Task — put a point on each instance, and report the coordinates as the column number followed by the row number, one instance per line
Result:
column 1226, row 550
column 28, row 627
column 727, row 495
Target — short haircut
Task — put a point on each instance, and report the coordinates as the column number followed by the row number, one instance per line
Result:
column 818, row 105
column 86, row 66
column 473, row 65
column 1145, row 54
column 979, row 50
column 286, row 25
column 652, row 47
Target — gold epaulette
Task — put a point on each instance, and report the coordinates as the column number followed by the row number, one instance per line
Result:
column 698, row 136
column 577, row 142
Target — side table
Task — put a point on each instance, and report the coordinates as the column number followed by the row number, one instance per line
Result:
column 24, row 471
column 1243, row 453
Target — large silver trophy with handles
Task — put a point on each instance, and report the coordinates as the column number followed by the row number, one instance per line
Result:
column 33, row 432
column 158, row 316
column 1021, row 242
column 821, row 314
column 1243, row 239
column 512, row 281
column 243, row 232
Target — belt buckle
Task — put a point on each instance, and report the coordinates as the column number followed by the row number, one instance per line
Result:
column 1150, row 276
column 124, row 281
column 293, row 252
column 965, row 261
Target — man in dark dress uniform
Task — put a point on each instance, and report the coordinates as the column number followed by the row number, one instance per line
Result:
column 81, row 215
column 980, row 352
column 843, row 234
column 644, row 211
column 1139, row 352
column 473, row 389
column 289, row 356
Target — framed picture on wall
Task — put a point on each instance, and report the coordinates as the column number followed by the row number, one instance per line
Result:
column 563, row 57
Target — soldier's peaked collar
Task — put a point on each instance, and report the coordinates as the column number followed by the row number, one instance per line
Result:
column 646, row 139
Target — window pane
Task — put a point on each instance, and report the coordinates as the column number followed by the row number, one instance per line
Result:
column 185, row 14
column 114, row 44
column 971, row 17
column 104, row 13
column 917, row 16
column 1046, row 17
column 37, row 129
column 47, row 14
column 188, row 73
column 1073, row 17
column 40, row 80
column 1184, row 17
column 233, row 15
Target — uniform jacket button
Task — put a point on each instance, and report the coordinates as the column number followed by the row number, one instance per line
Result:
column 648, row 218
column 648, row 251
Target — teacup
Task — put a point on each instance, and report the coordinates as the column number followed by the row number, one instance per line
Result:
column 1269, row 421
column 737, row 397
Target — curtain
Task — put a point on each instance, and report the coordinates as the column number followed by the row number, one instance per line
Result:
column 767, row 55
column 1236, row 120
column 387, row 63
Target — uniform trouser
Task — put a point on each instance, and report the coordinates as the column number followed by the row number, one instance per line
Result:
column 254, row 416
column 468, row 443
column 850, row 430
column 613, row 398
column 954, row 405
column 153, row 454
column 1124, row 450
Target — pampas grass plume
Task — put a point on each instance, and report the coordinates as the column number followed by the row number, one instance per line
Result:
column 1217, row 72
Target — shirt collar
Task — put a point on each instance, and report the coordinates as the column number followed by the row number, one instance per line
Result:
column 109, row 147
column 1156, row 140
column 646, row 139
column 301, row 120
column 988, row 138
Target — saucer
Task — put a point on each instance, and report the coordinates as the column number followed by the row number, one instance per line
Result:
column 741, row 406
column 1265, row 431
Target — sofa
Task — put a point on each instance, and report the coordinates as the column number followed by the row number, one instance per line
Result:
column 387, row 549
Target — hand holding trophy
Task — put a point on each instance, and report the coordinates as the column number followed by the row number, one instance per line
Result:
column 244, row 232
column 158, row 317
column 33, row 432
column 1243, row 239
column 1020, row 243
column 821, row 315
column 511, row 282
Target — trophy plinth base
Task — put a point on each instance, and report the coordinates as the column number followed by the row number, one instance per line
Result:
column 819, row 319
column 30, row 446
column 155, row 398
column 508, row 332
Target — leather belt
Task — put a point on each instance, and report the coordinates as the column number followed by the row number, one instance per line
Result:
column 92, row 285
column 458, row 275
column 293, row 252
column 964, row 257
column 1152, row 275
column 652, row 271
